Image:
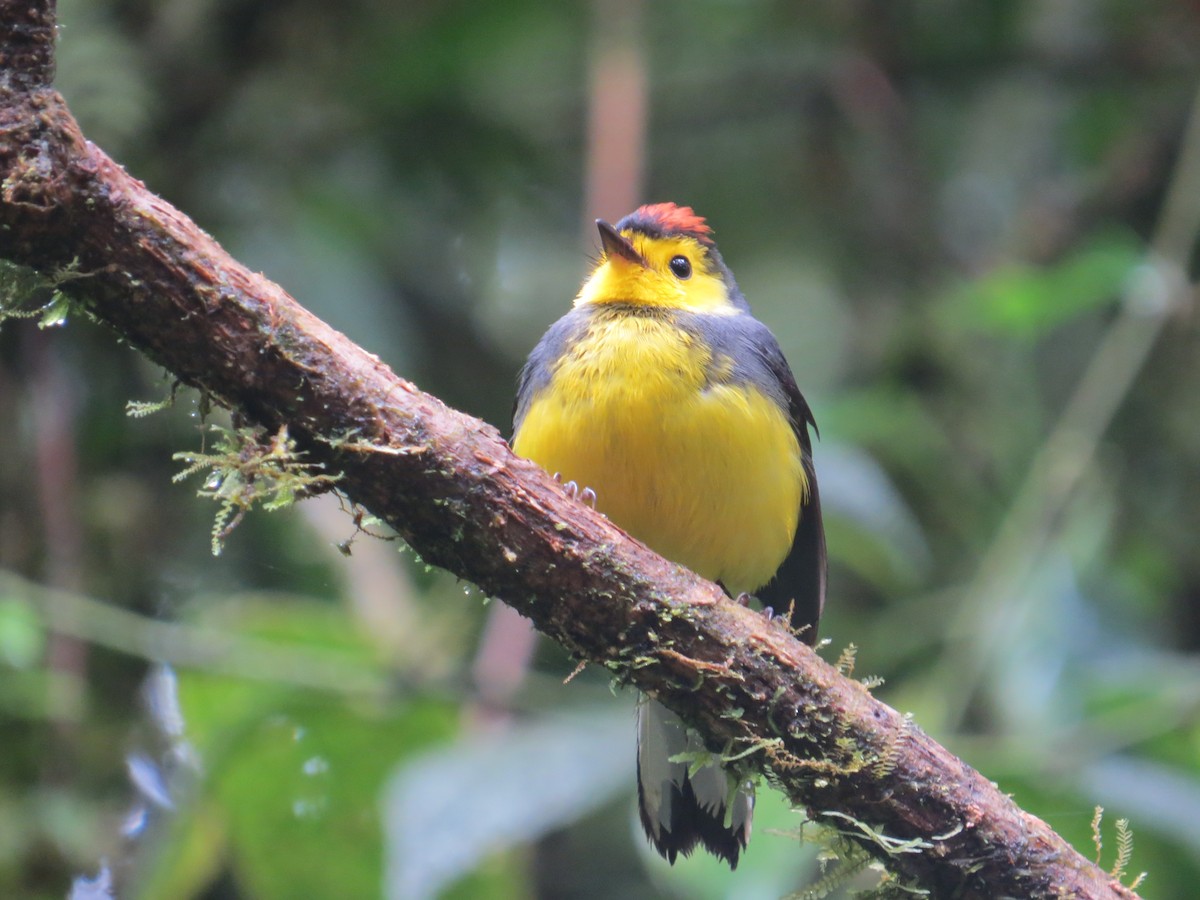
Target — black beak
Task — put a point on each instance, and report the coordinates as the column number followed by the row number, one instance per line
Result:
column 615, row 245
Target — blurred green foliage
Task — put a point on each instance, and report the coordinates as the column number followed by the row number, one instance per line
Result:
column 943, row 210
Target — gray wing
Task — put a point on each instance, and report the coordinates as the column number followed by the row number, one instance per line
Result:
column 539, row 368
column 799, row 583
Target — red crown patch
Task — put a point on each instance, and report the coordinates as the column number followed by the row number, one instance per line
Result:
column 672, row 219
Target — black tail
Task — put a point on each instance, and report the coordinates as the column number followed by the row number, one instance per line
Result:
column 678, row 810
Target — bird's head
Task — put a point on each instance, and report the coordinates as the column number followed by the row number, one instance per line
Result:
column 661, row 255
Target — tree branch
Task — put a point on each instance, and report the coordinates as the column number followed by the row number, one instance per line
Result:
column 449, row 485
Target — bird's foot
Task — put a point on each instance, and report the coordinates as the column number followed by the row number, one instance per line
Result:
column 586, row 495
column 743, row 599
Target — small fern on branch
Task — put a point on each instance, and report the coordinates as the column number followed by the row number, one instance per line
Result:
column 247, row 468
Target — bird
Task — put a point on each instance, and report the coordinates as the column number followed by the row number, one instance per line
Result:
column 675, row 410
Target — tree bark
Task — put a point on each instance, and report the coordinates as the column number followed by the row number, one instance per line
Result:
column 450, row 486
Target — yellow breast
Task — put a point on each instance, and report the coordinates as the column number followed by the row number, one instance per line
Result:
column 706, row 472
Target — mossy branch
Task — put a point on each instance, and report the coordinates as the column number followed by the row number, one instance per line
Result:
column 452, row 489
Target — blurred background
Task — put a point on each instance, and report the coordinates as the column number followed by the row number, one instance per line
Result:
column 969, row 224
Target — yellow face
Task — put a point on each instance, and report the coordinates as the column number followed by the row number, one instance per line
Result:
column 674, row 272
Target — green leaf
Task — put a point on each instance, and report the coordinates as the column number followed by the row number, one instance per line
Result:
column 308, row 779
column 21, row 635
column 289, row 778
column 1027, row 301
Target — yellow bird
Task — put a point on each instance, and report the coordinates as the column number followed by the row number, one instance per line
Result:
column 661, row 393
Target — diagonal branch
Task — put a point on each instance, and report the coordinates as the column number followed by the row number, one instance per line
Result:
column 452, row 489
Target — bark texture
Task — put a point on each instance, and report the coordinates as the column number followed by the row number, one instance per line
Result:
column 452, row 489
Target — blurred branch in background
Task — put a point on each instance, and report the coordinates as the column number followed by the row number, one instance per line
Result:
column 56, row 404
column 377, row 584
column 1156, row 292
column 618, row 106
column 90, row 621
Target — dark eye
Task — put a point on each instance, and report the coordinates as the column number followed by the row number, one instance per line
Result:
column 681, row 267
